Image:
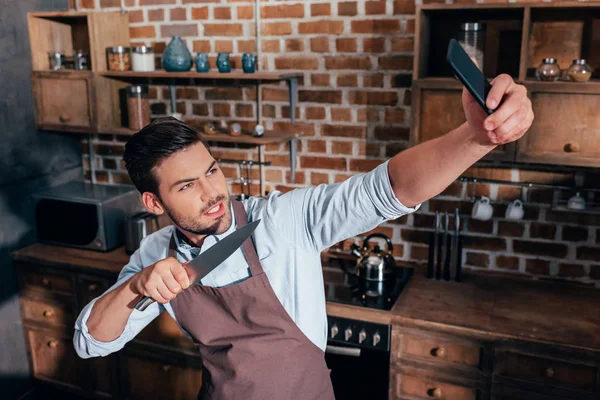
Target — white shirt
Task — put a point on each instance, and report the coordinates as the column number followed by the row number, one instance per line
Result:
column 295, row 228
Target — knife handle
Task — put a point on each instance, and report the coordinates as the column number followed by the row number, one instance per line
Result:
column 144, row 303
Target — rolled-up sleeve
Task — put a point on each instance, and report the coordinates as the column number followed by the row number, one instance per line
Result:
column 326, row 214
column 87, row 346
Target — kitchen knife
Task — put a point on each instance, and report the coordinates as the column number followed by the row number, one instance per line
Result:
column 454, row 265
column 438, row 261
column 448, row 244
column 205, row 262
column 431, row 255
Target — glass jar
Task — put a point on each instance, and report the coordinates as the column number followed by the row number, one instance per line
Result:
column 142, row 59
column 138, row 106
column 81, row 60
column 579, row 71
column 472, row 39
column 548, row 70
column 118, row 58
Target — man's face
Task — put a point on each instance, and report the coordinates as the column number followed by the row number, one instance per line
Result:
column 194, row 191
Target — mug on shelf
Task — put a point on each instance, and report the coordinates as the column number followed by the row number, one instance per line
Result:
column 515, row 210
column 482, row 209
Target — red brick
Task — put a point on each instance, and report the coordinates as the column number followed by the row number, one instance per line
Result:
column 244, row 110
column 319, row 79
column 201, row 46
column 223, row 94
column 511, row 228
column 507, row 262
column 542, row 231
column 480, row 226
column 375, row 7
column 225, row 46
column 374, row 45
column 509, row 193
column 317, row 146
column 347, row 8
column 146, row 31
column 300, row 177
column 320, row 96
column 407, row 98
column 368, row 115
column 276, row 28
column 271, row 46
column 346, row 45
column 453, row 190
column 282, row 11
column 326, row 27
column 319, row 44
column 341, row 114
column 478, row 259
column 364, row 165
column 395, row 116
column 223, row 30
column 341, row 147
column 348, row 80
column 584, row 219
column 373, row 81
column 156, row 2
column 317, row 178
column 483, row 242
column 571, row 270
column 588, row 253
column 245, row 12
column 200, row 1
column 595, row 272
column 273, row 175
column 395, row 62
column 296, row 63
column 410, row 26
column 320, row 9
column 376, row 26
column 221, row 109
column 136, row 16
column 574, row 233
column 278, row 160
column 419, row 252
column 545, row 249
column 344, row 131
column 330, row 163
column 403, row 44
column 222, row 13
column 341, row 177
column 315, row 113
column 178, row 14
column 272, row 94
column 285, row 112
column 181, row 30
column 537, row 267
column 246, row 46
column 268, row 111
column 200, row 109
column 540, row 195
column 87, row 4
column 373, row 98
column 199, row 13
column 348, row 62
column 404, row 7
column 188, row 93
column 292, row 45
column 304, row 128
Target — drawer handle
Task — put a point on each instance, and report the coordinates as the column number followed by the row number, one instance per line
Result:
column 46, row 282
column 435, row 393
column 549, row 372
column 64, row 118
column 48, row 313
column 571, row 148
column 93, row 287
column 439, row 352
column 166, row 368
column 52, row 344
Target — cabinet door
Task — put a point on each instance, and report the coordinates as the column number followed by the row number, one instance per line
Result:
column 411, row 387
column 566, row 130
column 62, row 101
column 153, row 379
column 164, row 330
column 438, row 109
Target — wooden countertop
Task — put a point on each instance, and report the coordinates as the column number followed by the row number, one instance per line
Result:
column 483, row 305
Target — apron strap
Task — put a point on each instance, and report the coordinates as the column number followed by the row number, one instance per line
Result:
column 248, row 248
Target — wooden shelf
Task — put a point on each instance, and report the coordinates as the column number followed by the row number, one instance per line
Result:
column 268, row 138
column 239, row 75
column 590, row 87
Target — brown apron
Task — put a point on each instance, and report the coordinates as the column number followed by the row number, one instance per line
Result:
column 250, row 347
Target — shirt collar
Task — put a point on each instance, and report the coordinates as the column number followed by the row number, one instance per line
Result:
column 183, row 243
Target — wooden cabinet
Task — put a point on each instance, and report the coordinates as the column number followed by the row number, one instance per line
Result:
column 411, row 387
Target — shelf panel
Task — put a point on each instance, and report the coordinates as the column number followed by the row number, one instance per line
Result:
column 239, row 75
column 590, row 87
column 268, row 138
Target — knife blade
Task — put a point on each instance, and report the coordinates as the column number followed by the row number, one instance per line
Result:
column 205, row 262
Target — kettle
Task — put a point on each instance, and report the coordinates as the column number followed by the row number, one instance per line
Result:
column 374, row 264
column 137, row 227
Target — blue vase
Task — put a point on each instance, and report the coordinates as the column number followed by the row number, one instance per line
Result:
column 177, row 57
column 223, row 62
column 202, row 64
column 248, row 62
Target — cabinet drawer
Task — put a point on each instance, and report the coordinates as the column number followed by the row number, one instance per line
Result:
column 546, row 370
column 440, row 350
column 153, row 379
column 44, row 282
column 90, row 288
column 424, row 388
column 48, row 312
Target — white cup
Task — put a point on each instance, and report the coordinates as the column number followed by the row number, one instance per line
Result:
column 482, row 209
column 515, row 210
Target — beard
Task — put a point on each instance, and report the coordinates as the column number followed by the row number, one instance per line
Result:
column 196, row 226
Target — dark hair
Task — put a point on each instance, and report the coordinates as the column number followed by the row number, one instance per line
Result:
column 153, row 144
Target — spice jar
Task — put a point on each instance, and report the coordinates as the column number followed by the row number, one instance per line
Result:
column 118, row 58
column 138, row 106
column 142, row 59
column 548, row 70
column 472, row 39
column 579, row 71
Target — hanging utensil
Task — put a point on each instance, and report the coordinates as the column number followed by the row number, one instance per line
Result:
column 438, row 246
column 447, row 243
column 459, row 244
column 249, row 178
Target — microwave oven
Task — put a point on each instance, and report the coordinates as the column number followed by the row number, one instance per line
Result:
column 85, row 215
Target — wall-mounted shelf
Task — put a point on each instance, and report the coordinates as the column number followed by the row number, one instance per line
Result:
column 238, row 75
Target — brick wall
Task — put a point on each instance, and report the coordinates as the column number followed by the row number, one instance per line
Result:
column 354, row 110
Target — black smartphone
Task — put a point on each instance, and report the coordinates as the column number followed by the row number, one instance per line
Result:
column 467, row 72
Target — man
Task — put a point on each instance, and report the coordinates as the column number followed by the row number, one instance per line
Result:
column 259, row 319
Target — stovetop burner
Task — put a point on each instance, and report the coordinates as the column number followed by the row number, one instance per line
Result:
column 360, row 292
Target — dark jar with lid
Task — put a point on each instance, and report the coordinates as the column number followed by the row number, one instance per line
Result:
column 138, row 106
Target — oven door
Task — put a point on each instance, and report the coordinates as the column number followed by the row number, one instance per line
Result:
column 358, row 373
